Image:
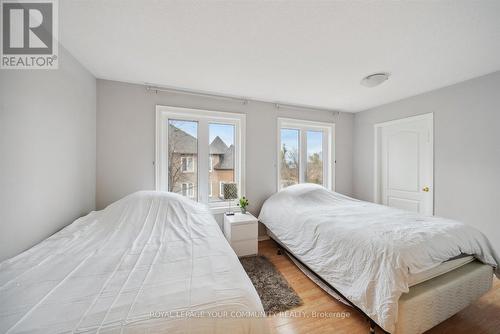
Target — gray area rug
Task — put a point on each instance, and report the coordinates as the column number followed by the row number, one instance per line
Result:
column 274, row 292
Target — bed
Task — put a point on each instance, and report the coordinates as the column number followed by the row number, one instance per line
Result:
column 151, row 262
column 405, row 272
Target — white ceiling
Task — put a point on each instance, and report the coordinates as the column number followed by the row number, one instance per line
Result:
column 304, row 52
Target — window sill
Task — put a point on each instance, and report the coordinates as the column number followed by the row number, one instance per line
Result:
column 218, row 209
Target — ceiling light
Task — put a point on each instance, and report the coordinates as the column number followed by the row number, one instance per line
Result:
column 375, row 79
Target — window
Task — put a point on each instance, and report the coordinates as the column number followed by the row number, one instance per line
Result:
column 182, row 150
column 314, row 167
column 187, row 164
column 289, row 157
column 187, row 189
column 196, row 148
column 221, row 138
column 305, row 153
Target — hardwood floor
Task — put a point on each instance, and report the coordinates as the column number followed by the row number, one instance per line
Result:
column 321, row 313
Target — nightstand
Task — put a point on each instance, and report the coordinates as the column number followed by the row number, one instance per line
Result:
column 241, row 231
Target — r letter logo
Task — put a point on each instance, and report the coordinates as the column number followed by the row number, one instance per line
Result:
column 29, row 34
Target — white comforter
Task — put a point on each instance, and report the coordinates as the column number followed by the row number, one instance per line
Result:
column 149, row 263
column 365, row 250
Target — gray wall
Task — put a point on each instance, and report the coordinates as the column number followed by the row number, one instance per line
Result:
column 47, row 151
column 126, row 140
column 466, row 150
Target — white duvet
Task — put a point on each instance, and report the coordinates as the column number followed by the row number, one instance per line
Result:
column 149, row 263
column 365, row 250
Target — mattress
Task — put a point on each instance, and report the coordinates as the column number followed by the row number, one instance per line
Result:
column 414, row 279
column 441, row 269
column 149, row 263
column 367, row 251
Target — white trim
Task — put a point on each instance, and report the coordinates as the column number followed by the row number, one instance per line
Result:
column 328, row 143
column 429, row 116
column 203, row 117
column 376, row 151
column 221, row 208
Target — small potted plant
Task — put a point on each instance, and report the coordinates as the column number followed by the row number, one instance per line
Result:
column 243, row 203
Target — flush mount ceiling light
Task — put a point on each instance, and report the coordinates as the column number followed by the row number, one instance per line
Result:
column 375, row 79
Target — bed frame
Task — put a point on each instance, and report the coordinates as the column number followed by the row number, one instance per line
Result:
column 426, row 304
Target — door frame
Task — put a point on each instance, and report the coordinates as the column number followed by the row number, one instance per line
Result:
column 377, row 129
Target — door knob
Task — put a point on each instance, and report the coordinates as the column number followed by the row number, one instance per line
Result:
column 425, row 189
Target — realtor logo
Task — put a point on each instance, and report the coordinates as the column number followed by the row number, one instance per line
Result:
column 29, row 34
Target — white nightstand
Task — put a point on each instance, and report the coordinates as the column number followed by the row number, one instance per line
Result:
column 241, row 231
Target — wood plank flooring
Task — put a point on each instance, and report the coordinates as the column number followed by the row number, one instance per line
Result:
column 321, row 313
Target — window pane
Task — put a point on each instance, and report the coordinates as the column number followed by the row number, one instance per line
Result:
column 314, row 172
column 289, row 157
column 183, row 157
column 221, row 159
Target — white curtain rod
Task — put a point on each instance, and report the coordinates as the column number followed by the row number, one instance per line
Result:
column 298, row 106
column 157, row 89
column 243, row 100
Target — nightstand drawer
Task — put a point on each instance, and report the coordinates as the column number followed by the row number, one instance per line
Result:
column 245, row 247
column 244, row 232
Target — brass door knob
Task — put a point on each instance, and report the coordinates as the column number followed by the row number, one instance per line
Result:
column 425, row 189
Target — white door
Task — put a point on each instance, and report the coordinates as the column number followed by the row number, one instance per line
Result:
column 407, row 164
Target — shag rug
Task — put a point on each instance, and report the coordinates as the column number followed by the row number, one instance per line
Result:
column 274, row 292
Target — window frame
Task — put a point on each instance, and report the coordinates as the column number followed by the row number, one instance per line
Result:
column 328, row 154
column 204, row 118
column 221, row 192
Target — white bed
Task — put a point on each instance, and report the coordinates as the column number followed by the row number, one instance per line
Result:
column 149, row 263
column 371, row 253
